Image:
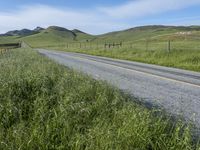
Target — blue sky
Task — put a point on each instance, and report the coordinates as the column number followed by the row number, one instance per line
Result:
column 97, row 16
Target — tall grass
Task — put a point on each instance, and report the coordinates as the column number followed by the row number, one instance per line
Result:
column 44, row 105
column 184, row 57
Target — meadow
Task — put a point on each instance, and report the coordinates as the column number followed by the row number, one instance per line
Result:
column 44, row 105
column 181, row 54
column 148, row 44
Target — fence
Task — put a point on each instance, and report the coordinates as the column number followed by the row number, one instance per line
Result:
column 7, row 46
column 10, row 45
column 145, row 45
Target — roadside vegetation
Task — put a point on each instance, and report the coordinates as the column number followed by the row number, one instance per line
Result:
column 177, row 58
column 148, row 44
column 44, row 105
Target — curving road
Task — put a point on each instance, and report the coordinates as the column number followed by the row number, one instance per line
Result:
column 176, row 90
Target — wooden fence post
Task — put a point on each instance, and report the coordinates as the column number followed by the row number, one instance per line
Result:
column 169, row 46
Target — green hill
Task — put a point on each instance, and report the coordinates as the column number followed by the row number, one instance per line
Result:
column 146, row 32
column 82, row 36
column 8, row 39
column 56, row 36
column 52, row 35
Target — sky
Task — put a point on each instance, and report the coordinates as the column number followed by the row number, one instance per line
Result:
column 97, row 16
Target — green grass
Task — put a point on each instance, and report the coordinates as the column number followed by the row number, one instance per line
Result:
column 8, row 39
column 146, row 32
column 183, row 54
column 144, row 44
column 185, row 46
column 55, row 35
column 44, row 105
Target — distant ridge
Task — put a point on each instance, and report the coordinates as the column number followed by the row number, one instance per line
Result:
column 78, row 31
column 23, row 32
column 38, row 29
column 57, row 28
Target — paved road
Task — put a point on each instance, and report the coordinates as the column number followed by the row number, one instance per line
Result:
column 176, row 90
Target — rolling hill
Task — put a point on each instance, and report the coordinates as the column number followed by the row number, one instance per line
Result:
column 146, row 32
column 23, row 32
column 54, row 35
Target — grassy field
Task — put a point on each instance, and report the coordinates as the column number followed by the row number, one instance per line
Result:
column 148, row 44
column 183, row 54
column 144, row 44
column 44, row 105
column 8, row 39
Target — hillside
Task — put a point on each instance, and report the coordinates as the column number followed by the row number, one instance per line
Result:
column 144, row 32
column 56, row 36
column 50, row 35
column 8, row 39
column 53, row 35
column 82, row 36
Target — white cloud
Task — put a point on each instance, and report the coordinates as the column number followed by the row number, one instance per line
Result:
column 42, row 15
column 95, row 21
column 140, row 8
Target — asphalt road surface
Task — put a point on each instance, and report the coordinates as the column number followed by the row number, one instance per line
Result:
column 175, row 90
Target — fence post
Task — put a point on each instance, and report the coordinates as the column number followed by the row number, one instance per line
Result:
column 121, row 44
column 169, row 46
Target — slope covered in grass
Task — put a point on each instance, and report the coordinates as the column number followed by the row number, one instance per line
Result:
column 82, row 36
column 44, row 105
column 52, row 35
column 8, row 39
column 145, row 32
column 56, row 36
